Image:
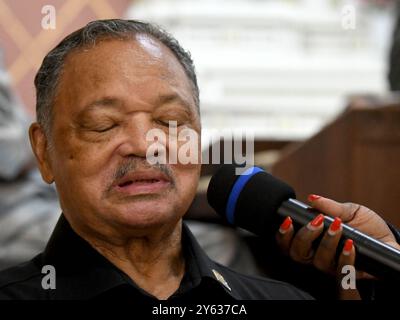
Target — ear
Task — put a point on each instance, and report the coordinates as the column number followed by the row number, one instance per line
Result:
column 39, row 146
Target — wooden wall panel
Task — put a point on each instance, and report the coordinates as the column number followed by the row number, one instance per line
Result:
column 355, row 158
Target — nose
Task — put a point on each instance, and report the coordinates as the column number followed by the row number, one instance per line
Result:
column 134, row 136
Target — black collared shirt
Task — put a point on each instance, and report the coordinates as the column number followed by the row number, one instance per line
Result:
column 83, row 273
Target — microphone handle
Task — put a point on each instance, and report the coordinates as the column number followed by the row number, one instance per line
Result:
column 372, row 256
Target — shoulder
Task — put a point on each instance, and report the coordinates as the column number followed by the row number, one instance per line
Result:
column 260, row 288
column 21, row 282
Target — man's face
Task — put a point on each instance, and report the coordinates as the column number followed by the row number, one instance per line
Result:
column 109, row 97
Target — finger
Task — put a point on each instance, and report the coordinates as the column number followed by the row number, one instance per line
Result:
column 348, row 255
column 284, row 235
column 301, row 247
column 346, row 273
column 324, row 258
column 345, row 211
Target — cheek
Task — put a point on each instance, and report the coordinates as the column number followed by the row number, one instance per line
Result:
column 187, row 178
column 81, row 166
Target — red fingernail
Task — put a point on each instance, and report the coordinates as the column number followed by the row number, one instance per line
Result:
column 335, row 226
column 318, row 220
column 313, row 197
column 348, row 246
column 285, row 225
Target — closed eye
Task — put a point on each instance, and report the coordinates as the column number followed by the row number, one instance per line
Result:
column 100, row 130
column 163, row 123
column 170, row 123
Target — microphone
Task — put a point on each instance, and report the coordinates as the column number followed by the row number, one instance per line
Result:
column 256, row 201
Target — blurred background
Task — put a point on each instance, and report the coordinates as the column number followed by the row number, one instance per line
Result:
column 315, row 80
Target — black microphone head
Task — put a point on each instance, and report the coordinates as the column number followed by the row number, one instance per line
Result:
column 248, row 201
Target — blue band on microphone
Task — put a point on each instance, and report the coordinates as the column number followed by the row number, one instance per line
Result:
column 237, row 188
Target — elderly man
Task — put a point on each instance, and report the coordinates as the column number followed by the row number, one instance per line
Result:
column 99, row 93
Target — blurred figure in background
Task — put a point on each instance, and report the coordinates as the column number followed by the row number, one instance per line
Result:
column 28, row 207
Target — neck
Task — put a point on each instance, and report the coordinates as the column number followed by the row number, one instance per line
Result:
column 154, row 262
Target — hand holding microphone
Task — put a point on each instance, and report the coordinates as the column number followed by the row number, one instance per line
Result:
column 258, row 202
column 299, row 245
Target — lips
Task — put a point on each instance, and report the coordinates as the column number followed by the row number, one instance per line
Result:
column 143, row 182
column 129, row 182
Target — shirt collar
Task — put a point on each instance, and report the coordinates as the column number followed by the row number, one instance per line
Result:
column 83, row 273
column 207, row 269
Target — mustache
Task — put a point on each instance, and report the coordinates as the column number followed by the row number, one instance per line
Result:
column 134, row 163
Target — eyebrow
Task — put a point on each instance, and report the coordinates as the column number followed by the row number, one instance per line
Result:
column 103, row 102
column 162, row 99
column 173, row 98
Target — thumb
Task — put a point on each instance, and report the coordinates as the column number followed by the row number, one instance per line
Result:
column 345, row 211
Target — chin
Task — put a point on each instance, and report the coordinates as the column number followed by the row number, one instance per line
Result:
column 144, row 215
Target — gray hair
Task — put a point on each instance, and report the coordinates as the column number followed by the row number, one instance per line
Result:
column 48, row 76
